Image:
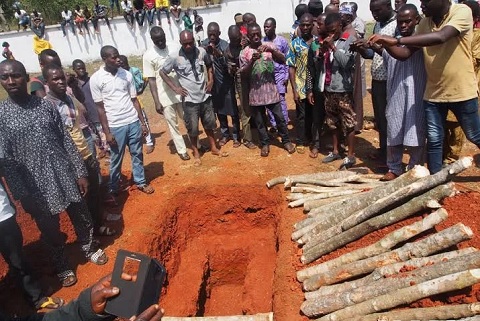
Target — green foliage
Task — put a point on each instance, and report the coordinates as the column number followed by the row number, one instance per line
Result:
column 51, row 9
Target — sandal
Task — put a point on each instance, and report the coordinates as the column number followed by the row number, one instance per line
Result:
column 220, row 154
column 98, row 258
column 197, row 162
column 105, row 231
column 223, row 141
column 313, row 153
column 147, row 189
column 250, row 145
column 49, row 302
column 67, row 278
column 300, row 149
column 236, row 144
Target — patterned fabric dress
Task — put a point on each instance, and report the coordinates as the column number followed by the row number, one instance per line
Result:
column 404, row 112
column 41, row 160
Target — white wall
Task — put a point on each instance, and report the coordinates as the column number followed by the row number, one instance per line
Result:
column 135, row 42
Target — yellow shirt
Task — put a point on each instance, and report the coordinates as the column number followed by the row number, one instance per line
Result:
column 161, row 3
column 450, row 75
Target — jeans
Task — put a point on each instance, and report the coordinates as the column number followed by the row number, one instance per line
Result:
column 140, row 17
column 167, row 13
column 129, row 17
column 150, row 15
column 129, row 135
column 72, row 26
column 11, row 244
column 379, row 102
column 114, row 2
column 258, row 115
column 436, row 115
column 38, row 30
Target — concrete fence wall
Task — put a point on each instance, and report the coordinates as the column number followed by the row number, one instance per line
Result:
column 136, row 41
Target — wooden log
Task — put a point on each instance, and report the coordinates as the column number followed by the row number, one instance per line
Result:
column 420, row 186
column 323, row 189
column 383, row 245
column 318, row 246
column 407, row 295
column 331, row 214
column 337, row 301
column 429, row 245
column 446, row 312
column 295, row 196
column 400, row 196
column 322, row 196
column 255, row 317
column 320, row 176
column 337, row 182
column 387, row 270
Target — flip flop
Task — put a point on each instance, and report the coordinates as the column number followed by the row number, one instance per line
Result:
column 197, row 162
column 220, row 154
column 313, row 153
column 67, row 278
column 147, row 189
column 49, row 302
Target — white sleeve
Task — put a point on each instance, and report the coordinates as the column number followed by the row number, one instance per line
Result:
column 148, row 69
column 95, row 90
column 133, row 90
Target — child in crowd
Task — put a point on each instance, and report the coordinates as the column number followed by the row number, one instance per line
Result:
column 80, row 21
column 175, row 9
column 339, row 62
column 7, row 53
column 187, row 22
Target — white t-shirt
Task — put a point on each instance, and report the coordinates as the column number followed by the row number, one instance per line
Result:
column 153, row 60
column 126, row 7
column 22, row 14
column 67, row 15
column 116, row 93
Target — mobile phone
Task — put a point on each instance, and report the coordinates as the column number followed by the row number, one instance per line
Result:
column 140, row 289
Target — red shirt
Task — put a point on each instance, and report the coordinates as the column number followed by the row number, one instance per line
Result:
column 150, row 4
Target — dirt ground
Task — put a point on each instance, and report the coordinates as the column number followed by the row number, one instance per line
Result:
column 222, row 235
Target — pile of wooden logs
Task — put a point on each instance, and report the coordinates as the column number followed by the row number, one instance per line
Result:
column 342, row 207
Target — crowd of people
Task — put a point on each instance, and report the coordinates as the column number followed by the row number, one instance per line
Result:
column 52, row 134
column 78, row 18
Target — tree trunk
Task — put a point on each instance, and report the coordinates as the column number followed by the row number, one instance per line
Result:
column 447, row 312
column 407, row 295
column 318, row 246
column 381, row 246
column 385, row 271
column 420, row 186
column 319, row 196
column 319, row 176
column 337, row 301
column 431, row 244
column 356, row 203
column 319, row 189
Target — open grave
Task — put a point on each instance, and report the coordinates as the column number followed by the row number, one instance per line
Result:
column 220, row 250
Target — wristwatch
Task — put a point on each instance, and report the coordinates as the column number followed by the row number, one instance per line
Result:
column 398, row 40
